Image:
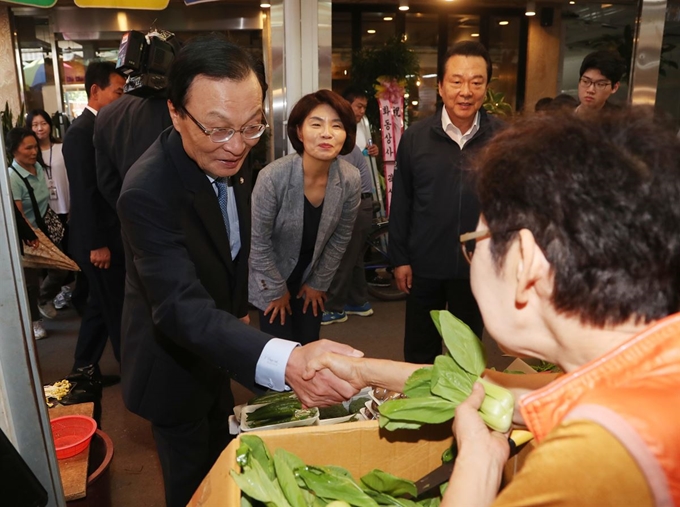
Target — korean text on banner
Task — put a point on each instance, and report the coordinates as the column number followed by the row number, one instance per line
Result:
column 392, row 126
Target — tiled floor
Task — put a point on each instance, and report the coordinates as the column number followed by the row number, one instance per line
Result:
column 134, row 474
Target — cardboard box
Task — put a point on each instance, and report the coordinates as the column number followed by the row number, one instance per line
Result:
column 359, row 447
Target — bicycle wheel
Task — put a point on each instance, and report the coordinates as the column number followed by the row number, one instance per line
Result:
column 377, row 264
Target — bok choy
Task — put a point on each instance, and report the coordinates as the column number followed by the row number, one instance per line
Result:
column 433, row 392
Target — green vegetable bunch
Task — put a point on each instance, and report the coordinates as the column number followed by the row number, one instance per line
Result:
column 286, row 481
column 434, row 392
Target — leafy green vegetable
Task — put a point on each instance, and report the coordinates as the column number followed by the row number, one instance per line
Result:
column 330, row 486
column 272, row 397
column 382, row 482
column 448, row 455
column 286, row 478
column 255, row 483
column 385, row 499
column 451, row 378
column 259, row 452
column 430, row 410
column 462, row 343
column 418, row 384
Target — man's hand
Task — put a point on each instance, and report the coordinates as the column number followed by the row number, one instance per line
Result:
column 101, row 258
column 348, row 368
column 245, row 320
column 324, row 389
column 372, row 150
column 404, row 277
column 314, row 297
column 279, row 307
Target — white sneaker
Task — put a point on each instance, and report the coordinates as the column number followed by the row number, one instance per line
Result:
column 60, row 302
column 47, row 310
column 38, row 330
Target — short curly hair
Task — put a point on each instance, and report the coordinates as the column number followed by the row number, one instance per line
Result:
column 310, row 101
column 602, row 198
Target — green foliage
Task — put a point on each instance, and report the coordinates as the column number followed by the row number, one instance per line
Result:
column 8, row 122
column 495, row 104
column 450, row 382
column 394, row 59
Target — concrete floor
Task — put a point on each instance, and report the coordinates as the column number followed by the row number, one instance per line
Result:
column 134, row 475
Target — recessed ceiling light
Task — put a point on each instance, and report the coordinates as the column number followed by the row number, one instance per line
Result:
column 265, row 5
column 403, row 5
column 474, row 35
column 503, row 23
column 388, row 18
column 370, row 31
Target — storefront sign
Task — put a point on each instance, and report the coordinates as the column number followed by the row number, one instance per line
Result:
column 155, row 5
column 45, row 4
column 391, row 102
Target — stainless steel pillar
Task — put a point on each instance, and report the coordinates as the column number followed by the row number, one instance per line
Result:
column 647, row 51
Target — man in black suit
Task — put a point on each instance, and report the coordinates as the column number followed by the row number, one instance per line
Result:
column 185, row 215
column 123, row 132
column 434, row 202
column 95, row 241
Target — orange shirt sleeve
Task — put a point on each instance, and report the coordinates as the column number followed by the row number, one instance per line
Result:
column 578, row 464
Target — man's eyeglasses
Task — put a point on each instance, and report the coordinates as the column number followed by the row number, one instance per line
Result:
column 223, row 135
column 600, row 85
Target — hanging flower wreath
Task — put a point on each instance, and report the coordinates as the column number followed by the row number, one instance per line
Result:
column 390, row 89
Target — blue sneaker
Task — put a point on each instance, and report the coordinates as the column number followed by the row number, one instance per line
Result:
column 333, row 317
column 364, row 310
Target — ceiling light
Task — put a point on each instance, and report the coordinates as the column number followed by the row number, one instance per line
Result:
column 415, row 102
column 265, row 5
column 504, row 22
column 531, row 8
column 388, row 18
column 474, row 35
column 403, row 5
column 572, row 2
column 370, row 31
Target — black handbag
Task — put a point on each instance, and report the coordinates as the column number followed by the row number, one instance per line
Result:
column 50, row 223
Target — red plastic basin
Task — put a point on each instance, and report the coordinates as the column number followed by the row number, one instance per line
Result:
column 72, row 434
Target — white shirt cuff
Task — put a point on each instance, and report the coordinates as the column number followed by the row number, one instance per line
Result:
column 270, row 370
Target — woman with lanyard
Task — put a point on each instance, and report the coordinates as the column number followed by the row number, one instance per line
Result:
column 51, row 158
column 26, row 170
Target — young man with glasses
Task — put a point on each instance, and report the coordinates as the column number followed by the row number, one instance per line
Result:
column 600, row 76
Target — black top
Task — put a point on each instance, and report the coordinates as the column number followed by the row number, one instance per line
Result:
column 310, row 228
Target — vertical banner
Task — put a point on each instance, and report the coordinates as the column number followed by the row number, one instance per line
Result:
column 390, row 95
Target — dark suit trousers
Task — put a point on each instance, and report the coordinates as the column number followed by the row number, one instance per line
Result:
column 188, row 451
column 422, row 342
column 103, row 311
column 349, row 283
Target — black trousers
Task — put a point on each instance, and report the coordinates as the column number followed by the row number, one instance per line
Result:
column 188, row 451
column 422, row 342
column 299, row 327
column 349, row 283
column 103, row 311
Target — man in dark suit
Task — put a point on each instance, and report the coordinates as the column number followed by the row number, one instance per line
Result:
column 95, row 241
column 123, row 132
column 185, row 215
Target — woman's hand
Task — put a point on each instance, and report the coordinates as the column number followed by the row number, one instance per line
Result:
column 314, row 297
column 32, row 243
column 348, row 368
column 279, row 307
column 482, row 453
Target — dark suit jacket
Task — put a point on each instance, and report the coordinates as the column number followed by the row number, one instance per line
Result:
column 123, row 132
column 93, row 224
column 181, row 339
